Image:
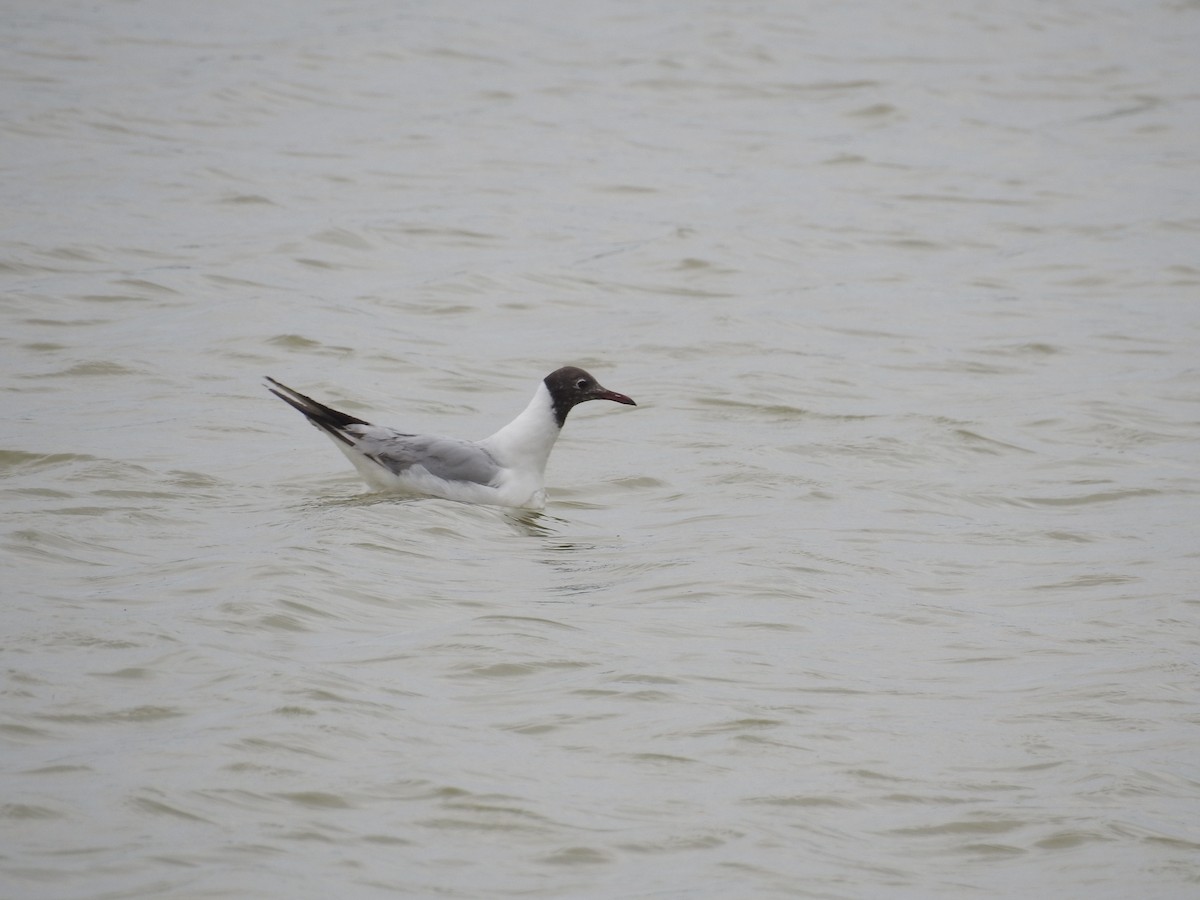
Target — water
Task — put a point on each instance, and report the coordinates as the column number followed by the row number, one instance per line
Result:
column 886, row 588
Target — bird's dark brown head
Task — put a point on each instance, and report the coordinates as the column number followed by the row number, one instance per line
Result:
column 570, row 386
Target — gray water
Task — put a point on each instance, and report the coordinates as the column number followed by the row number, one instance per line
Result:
column 887, row 588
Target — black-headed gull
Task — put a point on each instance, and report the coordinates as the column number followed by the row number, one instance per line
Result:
column 506, row 469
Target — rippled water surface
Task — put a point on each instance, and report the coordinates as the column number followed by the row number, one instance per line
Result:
column 887, row 588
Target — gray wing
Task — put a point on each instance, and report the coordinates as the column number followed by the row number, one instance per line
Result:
column 449, row 458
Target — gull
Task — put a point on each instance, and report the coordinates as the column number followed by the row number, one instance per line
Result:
column 506, row 469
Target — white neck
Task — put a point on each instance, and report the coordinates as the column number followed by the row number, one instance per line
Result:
column 527, row 440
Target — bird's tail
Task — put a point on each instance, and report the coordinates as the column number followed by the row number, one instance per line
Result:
column 328, row 419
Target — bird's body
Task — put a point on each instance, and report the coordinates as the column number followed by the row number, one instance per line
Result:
column 505, row 469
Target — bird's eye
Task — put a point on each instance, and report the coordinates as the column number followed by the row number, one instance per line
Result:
column 581, row 384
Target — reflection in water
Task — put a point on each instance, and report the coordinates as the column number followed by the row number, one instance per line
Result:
column 532, row 522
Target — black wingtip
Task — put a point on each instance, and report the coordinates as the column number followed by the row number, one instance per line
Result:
column 326, row 418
